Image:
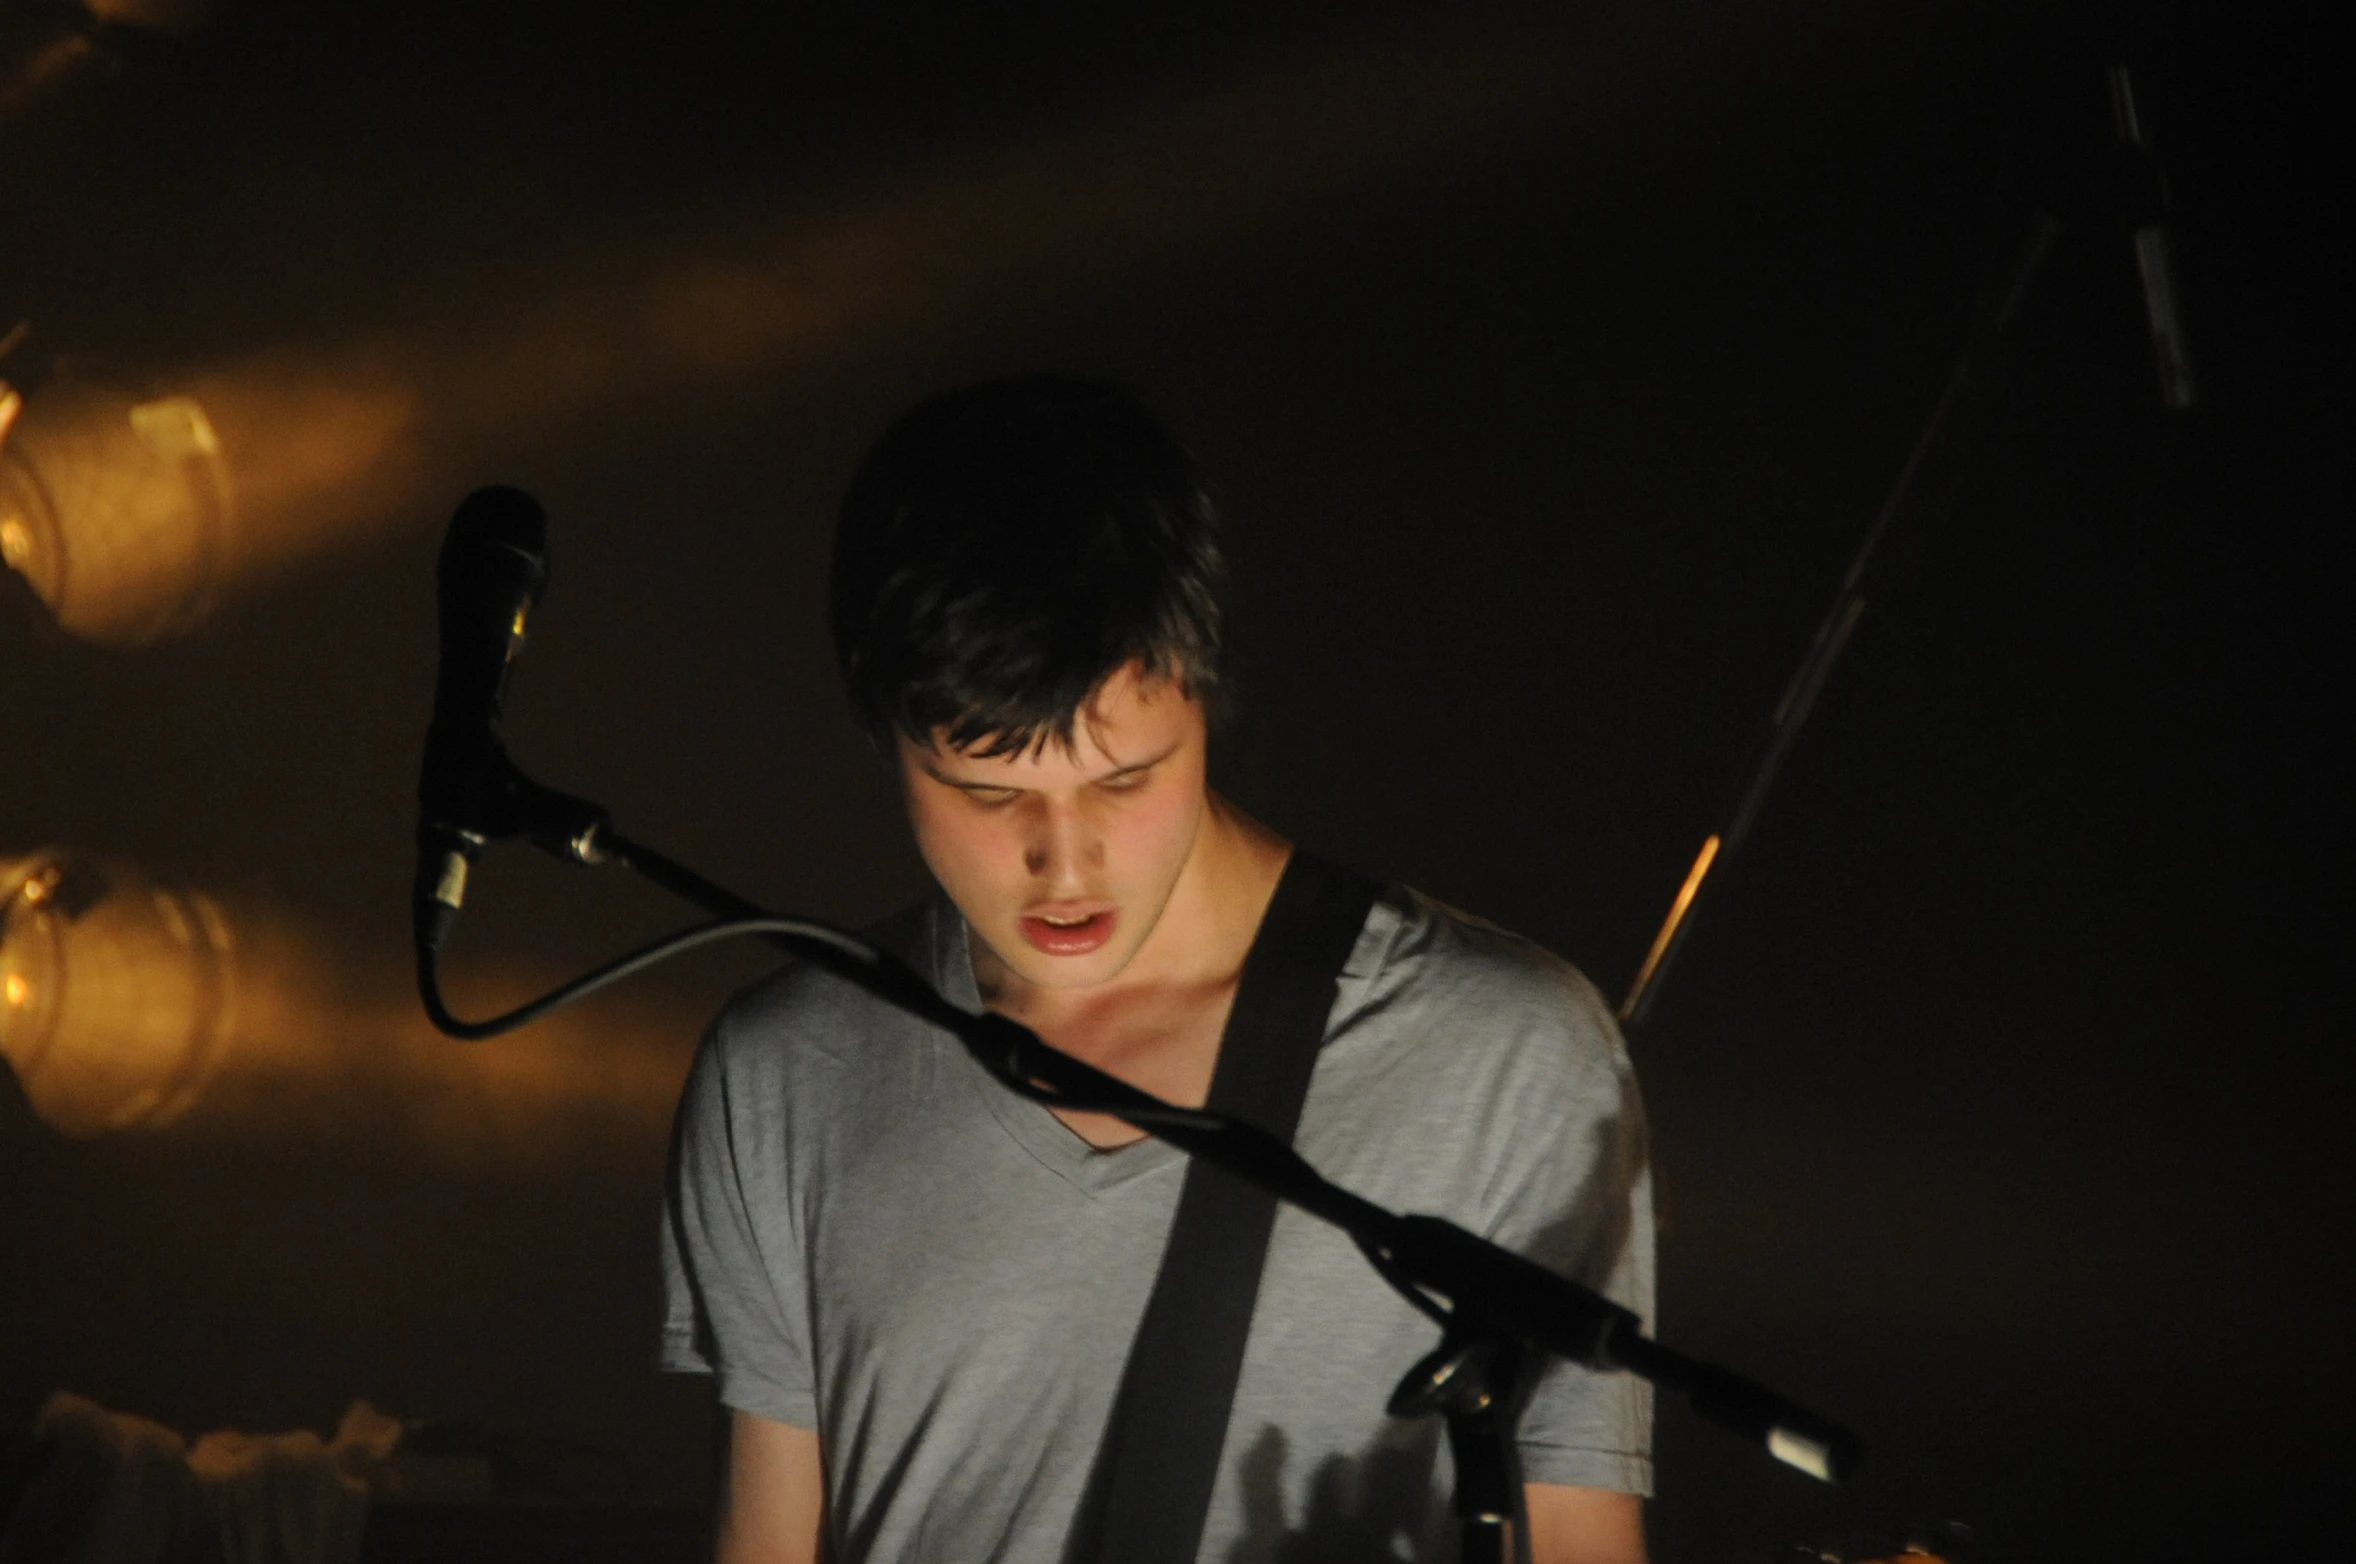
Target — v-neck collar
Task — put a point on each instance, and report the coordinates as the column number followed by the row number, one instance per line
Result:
column 1095, row 1171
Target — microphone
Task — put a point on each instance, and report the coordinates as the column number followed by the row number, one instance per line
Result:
column 2155, row 260
column 492, row 570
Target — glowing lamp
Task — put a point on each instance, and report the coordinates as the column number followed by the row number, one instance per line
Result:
column 115, row 993
column 115, row 508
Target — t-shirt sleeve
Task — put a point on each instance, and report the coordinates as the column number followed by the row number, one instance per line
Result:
column 1574, row 1193
column 734, row 1304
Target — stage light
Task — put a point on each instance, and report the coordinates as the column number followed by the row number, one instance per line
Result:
column 116, row 995
column 116, row 508
column 127, row 1006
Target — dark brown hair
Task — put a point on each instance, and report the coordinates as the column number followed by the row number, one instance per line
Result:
column 1007, row 547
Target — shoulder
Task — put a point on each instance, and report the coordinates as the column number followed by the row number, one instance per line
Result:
column 1467, row 1007
column 1425, row 952
column 1474, row 1074
column 800, row 1020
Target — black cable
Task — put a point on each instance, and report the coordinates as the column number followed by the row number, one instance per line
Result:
column 842, row 946
column 849, row 957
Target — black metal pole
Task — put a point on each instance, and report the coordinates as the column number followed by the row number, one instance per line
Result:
column 1925, row 483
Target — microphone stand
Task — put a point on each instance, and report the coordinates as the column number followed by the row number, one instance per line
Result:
column 1497, row 1310
column 1475, row 1383
column 2131, row 187
column 1926, row 482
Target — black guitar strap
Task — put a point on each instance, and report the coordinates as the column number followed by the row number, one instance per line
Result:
column 1151, row 1487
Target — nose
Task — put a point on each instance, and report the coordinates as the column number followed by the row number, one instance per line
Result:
column 1063, row 846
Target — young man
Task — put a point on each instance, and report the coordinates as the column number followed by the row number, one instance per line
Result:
column 919, row 1290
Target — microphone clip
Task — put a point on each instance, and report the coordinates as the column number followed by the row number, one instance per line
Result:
column 470, row 794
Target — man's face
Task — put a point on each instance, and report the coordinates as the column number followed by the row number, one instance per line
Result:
column 1063, row 860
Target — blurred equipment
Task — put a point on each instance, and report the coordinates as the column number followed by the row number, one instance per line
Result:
column 119, row 1488
column 116, row 995
column 99, row 1486
column 1919, row 1542
column 2147, row 204
column 1925, row 490
column 1928, row 483
column 115, row 507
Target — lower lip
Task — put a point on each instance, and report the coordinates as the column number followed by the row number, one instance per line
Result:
column 1068, row 939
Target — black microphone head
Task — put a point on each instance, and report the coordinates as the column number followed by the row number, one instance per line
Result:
column 498, row 532
column 493, row 567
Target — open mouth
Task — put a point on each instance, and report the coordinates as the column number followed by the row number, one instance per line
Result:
column 1067, row 934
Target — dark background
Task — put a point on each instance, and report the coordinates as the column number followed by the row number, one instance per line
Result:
column 1550, row 362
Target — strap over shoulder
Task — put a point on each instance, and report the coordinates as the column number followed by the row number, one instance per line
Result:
column 1151, row 1487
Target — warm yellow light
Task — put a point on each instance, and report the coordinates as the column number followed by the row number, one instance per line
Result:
column 175, row 428
column 116, row 509
column 16, row 539
column 119, row 993
column 1677, row 910
column 130, row 1005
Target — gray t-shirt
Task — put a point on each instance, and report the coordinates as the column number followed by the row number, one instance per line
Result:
column 868, row 1236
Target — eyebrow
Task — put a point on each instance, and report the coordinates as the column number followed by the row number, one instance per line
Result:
column 1131, row 769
